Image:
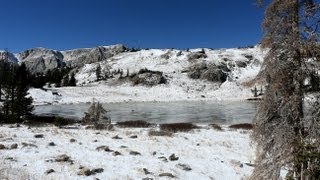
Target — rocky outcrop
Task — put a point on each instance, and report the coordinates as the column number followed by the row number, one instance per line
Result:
column 148, row 78
column 40, row 60
column 79, row 57
column 197, row 55
column 210, row 72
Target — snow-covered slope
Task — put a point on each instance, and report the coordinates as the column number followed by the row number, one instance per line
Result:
column 243, row 64
column 208, row 153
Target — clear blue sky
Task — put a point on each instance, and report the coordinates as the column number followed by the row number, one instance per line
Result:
column 67, row 24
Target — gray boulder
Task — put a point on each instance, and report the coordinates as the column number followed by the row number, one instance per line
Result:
column 196, row 55
column 148, row 78
column 210, row 72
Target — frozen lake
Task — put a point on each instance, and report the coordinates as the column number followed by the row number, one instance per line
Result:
column 219, row 112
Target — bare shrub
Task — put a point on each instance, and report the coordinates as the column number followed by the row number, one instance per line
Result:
column 97, row 117
column 215, row 127
column 178, row 127
column 134, row 124
column 245, row 126
column 160, row 133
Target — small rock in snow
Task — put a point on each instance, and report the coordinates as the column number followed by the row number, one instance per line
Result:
column 184, row 167
column 98, row 170
column 173, row 157
column 146, row 172
column 38, row 136
column 116, row 137
column 14, row 146
column 51, row 144
column 85, row 172
column 49, row 171
column 72, row 140
column 249, row 164
column 134, row 137
column 147, row 178
column 103, row 148
column 2, row 146
column 163, row 158
column 62, row 158
column 116, row 153
column 134, row 153
column 167, row 175
column 28, row 145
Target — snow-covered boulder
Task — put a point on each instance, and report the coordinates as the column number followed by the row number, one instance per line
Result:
column 148, row 78
column 210, row 72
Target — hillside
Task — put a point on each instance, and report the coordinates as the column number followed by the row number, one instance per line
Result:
column 195, row 74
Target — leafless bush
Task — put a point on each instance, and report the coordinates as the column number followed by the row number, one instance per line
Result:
column 160, row 133
column 178, row 127
column 216, row 127
column 245, row 126
column 134, row 124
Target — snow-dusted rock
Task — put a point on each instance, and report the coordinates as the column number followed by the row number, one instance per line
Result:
column 40, row 60
column 5, row 55
column 80, row 57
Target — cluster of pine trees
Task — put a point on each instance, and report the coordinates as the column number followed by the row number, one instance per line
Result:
column 14, row 85
column 59, row 77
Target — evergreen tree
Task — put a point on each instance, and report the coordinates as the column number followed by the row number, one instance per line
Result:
column 72, row 80
column 98, row 73
column 23, row 104
column 17, row 104
column 2, row 76
column 291, row 33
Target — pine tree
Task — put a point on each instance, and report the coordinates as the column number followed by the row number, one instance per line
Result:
column 98, row 73
column 23, row 104
column 291, row 33
column 72, row 80
column 17, row 104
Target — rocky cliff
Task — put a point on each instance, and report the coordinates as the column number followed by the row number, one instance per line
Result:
column 40, row 60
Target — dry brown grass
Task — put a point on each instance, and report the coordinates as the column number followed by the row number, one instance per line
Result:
column 160, row 133
column 215, row 127
column 245, row 126
column 134, row 124
column 178, row 127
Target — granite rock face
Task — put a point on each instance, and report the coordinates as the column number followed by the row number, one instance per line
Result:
column 7, row 56
column 80, row 57
column 40, row 60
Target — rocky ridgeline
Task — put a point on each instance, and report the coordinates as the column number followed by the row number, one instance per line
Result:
column 4, row 55
column 40, row 60
column 203, row 64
